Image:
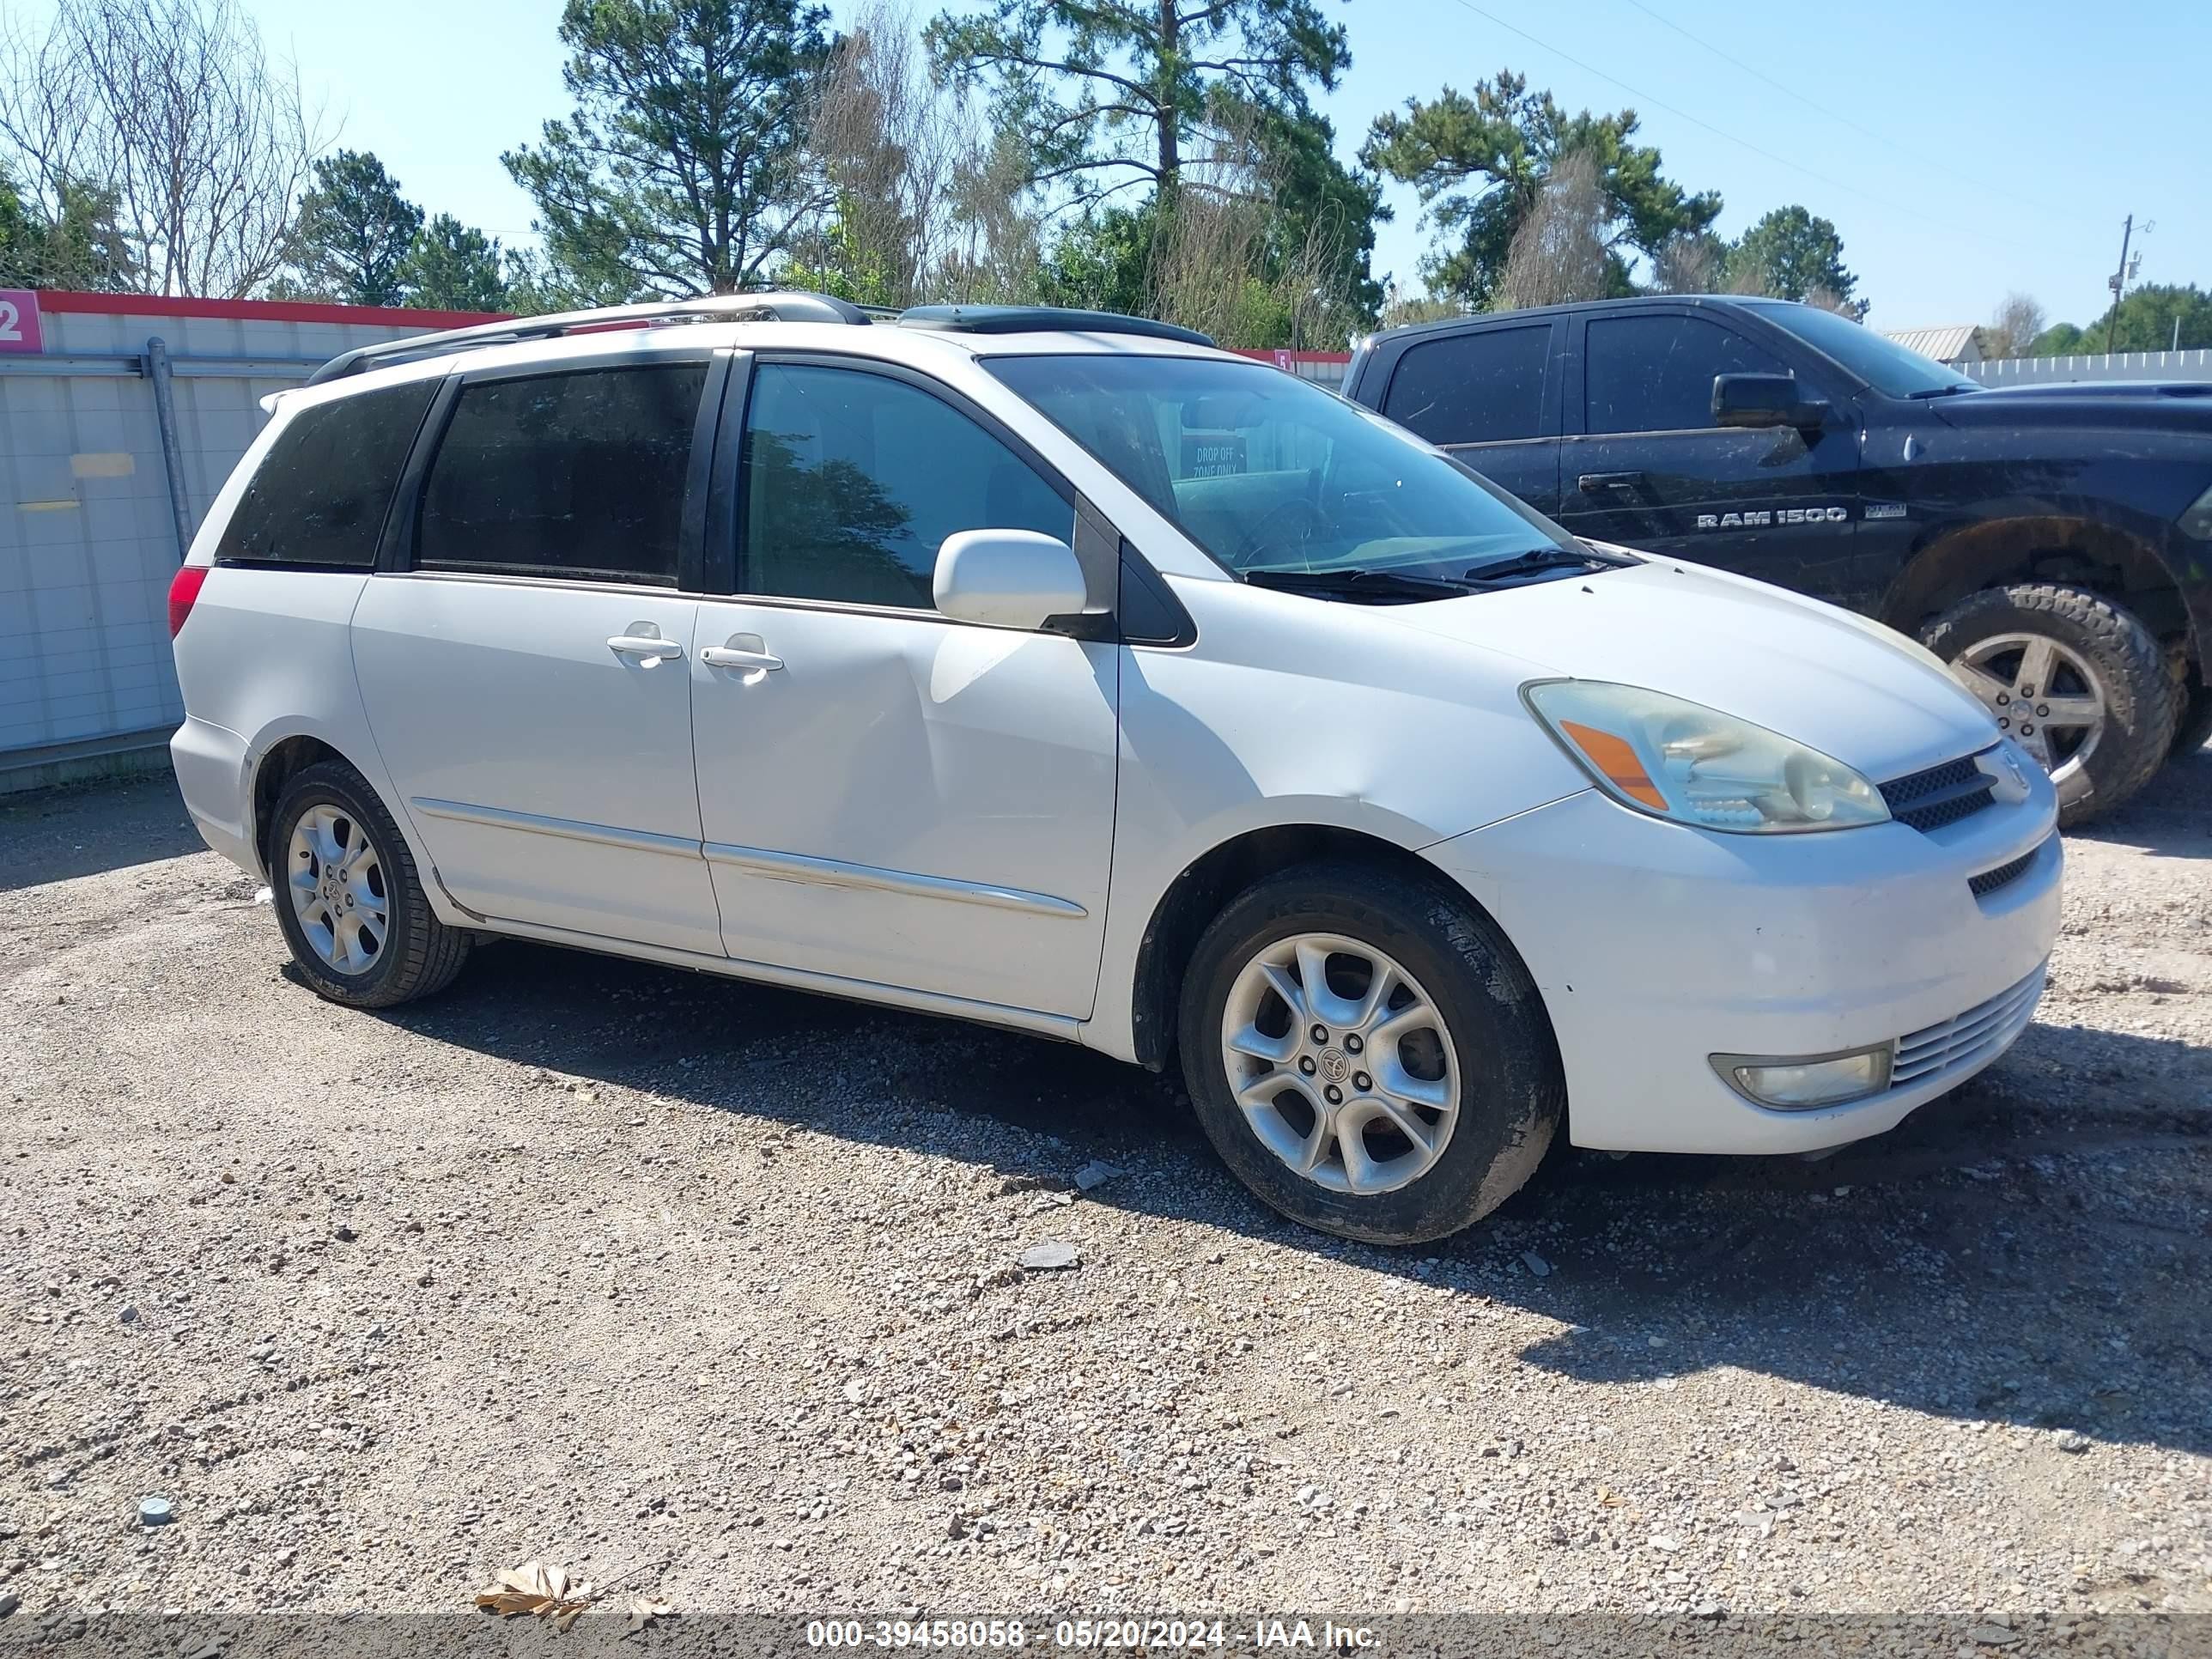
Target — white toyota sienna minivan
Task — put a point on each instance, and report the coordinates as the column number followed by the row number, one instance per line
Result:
column 1057, row 671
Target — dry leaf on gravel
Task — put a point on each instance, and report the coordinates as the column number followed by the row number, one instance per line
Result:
column 644, row 1609
column 535, row 1588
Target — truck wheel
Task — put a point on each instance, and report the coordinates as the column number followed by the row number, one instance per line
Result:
column 347, row 897
column 2077, row 679
column 2193, row 720
column 1368, row 1053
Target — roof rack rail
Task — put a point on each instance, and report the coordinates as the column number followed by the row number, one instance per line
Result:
column 783, row 305
column 1044, row 319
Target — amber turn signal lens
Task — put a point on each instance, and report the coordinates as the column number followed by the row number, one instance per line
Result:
column 1616, row 762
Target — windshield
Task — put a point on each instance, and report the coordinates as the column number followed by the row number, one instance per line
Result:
column 1272, row 475
column 1881, row 362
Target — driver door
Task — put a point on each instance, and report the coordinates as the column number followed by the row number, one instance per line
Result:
column 1650, row 470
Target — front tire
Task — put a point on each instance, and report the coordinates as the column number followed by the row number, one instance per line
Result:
column 348, row 898
column 2193, row 717
column 1368, row 1052
column 2080, row 681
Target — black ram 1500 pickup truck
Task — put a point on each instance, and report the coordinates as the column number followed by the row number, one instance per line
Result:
column 2053, row 543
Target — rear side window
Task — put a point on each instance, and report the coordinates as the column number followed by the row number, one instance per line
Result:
column 579, row 474
column 1656, row 374
column 1473, row 388
column 319, row 497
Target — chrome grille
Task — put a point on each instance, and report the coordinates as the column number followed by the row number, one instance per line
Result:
column 1976, row 1034
column 1941, row 794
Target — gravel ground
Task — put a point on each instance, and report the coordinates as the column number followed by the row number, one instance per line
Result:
column 611, row 1265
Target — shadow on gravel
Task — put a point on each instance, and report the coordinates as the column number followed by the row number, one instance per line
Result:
column 56, row 835
column 2173, row 817
column 2033, row 1249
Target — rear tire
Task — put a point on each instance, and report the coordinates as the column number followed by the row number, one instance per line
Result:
column 2090, row 650
column 1459, row 1020
column 348, row 898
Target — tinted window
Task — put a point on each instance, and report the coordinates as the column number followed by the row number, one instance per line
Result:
column 1656, row 374
column 1882, row 363
column 320, row 495
column 853, row 479
column 1473, row 388
column 569, row 475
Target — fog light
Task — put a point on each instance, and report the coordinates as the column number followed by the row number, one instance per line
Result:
column 1798, row 1084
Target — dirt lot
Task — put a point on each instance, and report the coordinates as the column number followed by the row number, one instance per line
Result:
column 611, row 1265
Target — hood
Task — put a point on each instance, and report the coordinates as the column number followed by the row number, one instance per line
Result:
column 2182, row 404
column 1848, row 687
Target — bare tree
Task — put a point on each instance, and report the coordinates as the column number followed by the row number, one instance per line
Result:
column 1561, row 251
column 1216, row 264
column 1691, row 262
column 900, row 154
column 1399, row 308
column 2014, row 327
column 172, row 107
column 998, row 254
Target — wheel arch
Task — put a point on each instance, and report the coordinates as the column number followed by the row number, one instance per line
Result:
column 280, row 756
column 1204, row 885
column 2105, row 559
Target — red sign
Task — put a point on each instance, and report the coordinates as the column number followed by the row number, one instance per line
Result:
column 19, row 321
column 1285, row 361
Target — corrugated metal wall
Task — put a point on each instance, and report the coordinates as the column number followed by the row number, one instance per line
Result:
column 89, row 537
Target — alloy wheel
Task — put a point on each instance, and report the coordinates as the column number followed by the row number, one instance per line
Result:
column 2043, row 692
column 1341, row 1063
column 336, row 881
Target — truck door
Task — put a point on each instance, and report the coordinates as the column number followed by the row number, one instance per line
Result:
column 1644, row 464
column 1490, row 396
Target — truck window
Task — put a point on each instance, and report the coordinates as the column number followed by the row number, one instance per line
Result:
column 1656, row 374
column 1480, row 388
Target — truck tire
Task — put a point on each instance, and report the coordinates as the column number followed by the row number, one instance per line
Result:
column 1410, row 1090
column 2077, row 678
column 2193, row 716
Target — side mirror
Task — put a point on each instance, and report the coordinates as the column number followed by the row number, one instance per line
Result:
column 1765, row 400
column 1007, row 578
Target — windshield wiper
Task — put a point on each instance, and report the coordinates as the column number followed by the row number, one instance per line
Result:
column 1537, row 559
column 1951, row 391
column 1357, row 584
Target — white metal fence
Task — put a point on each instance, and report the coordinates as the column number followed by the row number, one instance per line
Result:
column 2195, row 365
column 103, row 489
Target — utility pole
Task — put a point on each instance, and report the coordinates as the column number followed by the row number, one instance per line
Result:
column 2119, row 281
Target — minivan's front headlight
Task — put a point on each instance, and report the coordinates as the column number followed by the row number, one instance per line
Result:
column 1680, row 760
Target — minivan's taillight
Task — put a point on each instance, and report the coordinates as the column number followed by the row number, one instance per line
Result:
column 184, row 588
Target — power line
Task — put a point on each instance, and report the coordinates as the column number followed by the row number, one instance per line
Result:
column 1729, row 138
column 1834, row 115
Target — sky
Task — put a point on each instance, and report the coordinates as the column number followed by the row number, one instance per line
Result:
column 1963, row 148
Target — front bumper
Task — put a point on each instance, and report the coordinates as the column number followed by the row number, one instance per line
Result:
column 1656, row 946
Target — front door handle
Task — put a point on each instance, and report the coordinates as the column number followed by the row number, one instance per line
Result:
column 745, row 652
column 1591, row 484
column 650, row 647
